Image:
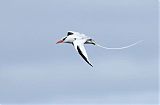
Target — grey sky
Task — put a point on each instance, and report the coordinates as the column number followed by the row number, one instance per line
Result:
column 34, row 70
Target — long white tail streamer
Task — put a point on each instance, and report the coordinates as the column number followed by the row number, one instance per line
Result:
column 108, row 48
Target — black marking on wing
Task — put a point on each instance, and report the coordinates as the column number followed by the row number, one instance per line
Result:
column 69, row 33
column 80, row 52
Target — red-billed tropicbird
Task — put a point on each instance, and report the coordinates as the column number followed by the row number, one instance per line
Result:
column 78, row 40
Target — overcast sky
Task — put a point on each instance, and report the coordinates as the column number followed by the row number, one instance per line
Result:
column 34, row 70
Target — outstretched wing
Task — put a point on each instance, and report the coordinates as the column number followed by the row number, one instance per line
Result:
column 79, row 46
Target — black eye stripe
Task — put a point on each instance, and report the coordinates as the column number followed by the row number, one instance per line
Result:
column 64, row 38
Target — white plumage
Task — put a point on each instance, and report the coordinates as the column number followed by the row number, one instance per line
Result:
column 78, row 40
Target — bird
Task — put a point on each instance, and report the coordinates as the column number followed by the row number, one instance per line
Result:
column 78, row 40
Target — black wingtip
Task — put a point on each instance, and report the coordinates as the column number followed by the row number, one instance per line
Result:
column 91, row 65
column 80, row 52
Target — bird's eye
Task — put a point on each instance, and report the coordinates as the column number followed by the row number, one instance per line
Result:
column 74, row 38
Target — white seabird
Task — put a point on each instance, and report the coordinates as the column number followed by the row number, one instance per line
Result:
column 78, row 40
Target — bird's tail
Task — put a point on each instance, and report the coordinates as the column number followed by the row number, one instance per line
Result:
column 119, row 48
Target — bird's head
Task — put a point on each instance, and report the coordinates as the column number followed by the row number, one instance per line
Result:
column 68, row 38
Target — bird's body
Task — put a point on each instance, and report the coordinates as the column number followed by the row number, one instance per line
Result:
column 78, row 40
column 72, row 36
